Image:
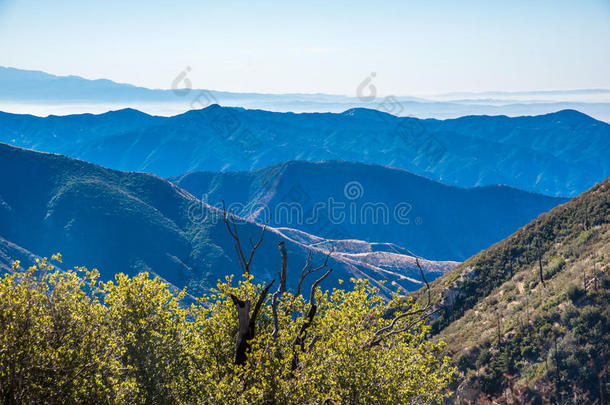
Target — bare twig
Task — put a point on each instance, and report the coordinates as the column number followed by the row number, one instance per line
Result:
column 232, row 228
column 423, row 277
column 307, row 269
column 312, row 293
column 390, row 329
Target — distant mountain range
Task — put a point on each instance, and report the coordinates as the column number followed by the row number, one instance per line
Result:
column 341, row 200
column 560, row 154
column 42, row 93
column 132, row 222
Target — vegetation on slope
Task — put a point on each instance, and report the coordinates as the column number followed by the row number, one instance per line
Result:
column 528, row 318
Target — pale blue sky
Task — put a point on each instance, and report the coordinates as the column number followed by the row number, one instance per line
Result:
column 415, row 47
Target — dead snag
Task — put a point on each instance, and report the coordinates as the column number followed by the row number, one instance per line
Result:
column 299, row 340
column 280, row 289
column 538, row 253
column 246, row 321
column 247, row 324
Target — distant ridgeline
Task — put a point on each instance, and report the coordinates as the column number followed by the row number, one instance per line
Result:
column 562, row 153
column 529, row 317
column 37, row 92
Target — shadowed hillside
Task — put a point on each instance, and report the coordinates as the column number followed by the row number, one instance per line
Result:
column 373, row 203
column 131, row 222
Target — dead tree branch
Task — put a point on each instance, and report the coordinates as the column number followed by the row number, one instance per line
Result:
column 424, row 313
column 307, row 269
column 280, row 289
column 423, row 277
column 299, row 340
column 232, row 228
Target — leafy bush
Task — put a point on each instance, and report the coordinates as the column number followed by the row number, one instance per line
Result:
column 528, row 351
column 575, row 293
column 555, row 267
column 56, row 344
column 69, row 338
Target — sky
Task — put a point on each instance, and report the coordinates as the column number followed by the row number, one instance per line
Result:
column 412, row 47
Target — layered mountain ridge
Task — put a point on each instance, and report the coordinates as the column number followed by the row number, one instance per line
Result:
column 562, row 153
column 344, row 200
column 35, row 91
column 132, row 222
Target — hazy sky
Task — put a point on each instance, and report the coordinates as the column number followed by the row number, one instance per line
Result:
column 414, row 47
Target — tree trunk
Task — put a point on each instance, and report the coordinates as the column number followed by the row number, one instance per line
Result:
column 246, row 324
column 540, row 269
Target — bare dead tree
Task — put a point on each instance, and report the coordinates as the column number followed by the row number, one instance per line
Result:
column 538, row 253
column 246, row 321
column 281, row 288
column 306, row 271
column 541, row 273
column 247, row 324
column 299, row 339
column 232, row 228
column 419, row 315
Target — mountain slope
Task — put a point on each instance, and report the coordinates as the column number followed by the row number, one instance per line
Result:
column 547, row 154
column 342, row 200
column 507, row 326
column 131, row 222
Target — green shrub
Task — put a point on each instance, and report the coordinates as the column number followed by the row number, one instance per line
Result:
column 69, row 338
column 575, row 293
column 555, row 267
column 528, row 351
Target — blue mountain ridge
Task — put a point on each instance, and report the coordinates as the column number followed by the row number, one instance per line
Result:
column 560, row 154
column 372, row 203
column 131, row 222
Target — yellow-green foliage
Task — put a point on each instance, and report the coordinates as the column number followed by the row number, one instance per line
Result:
column 56, row 344
column 67, row 337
